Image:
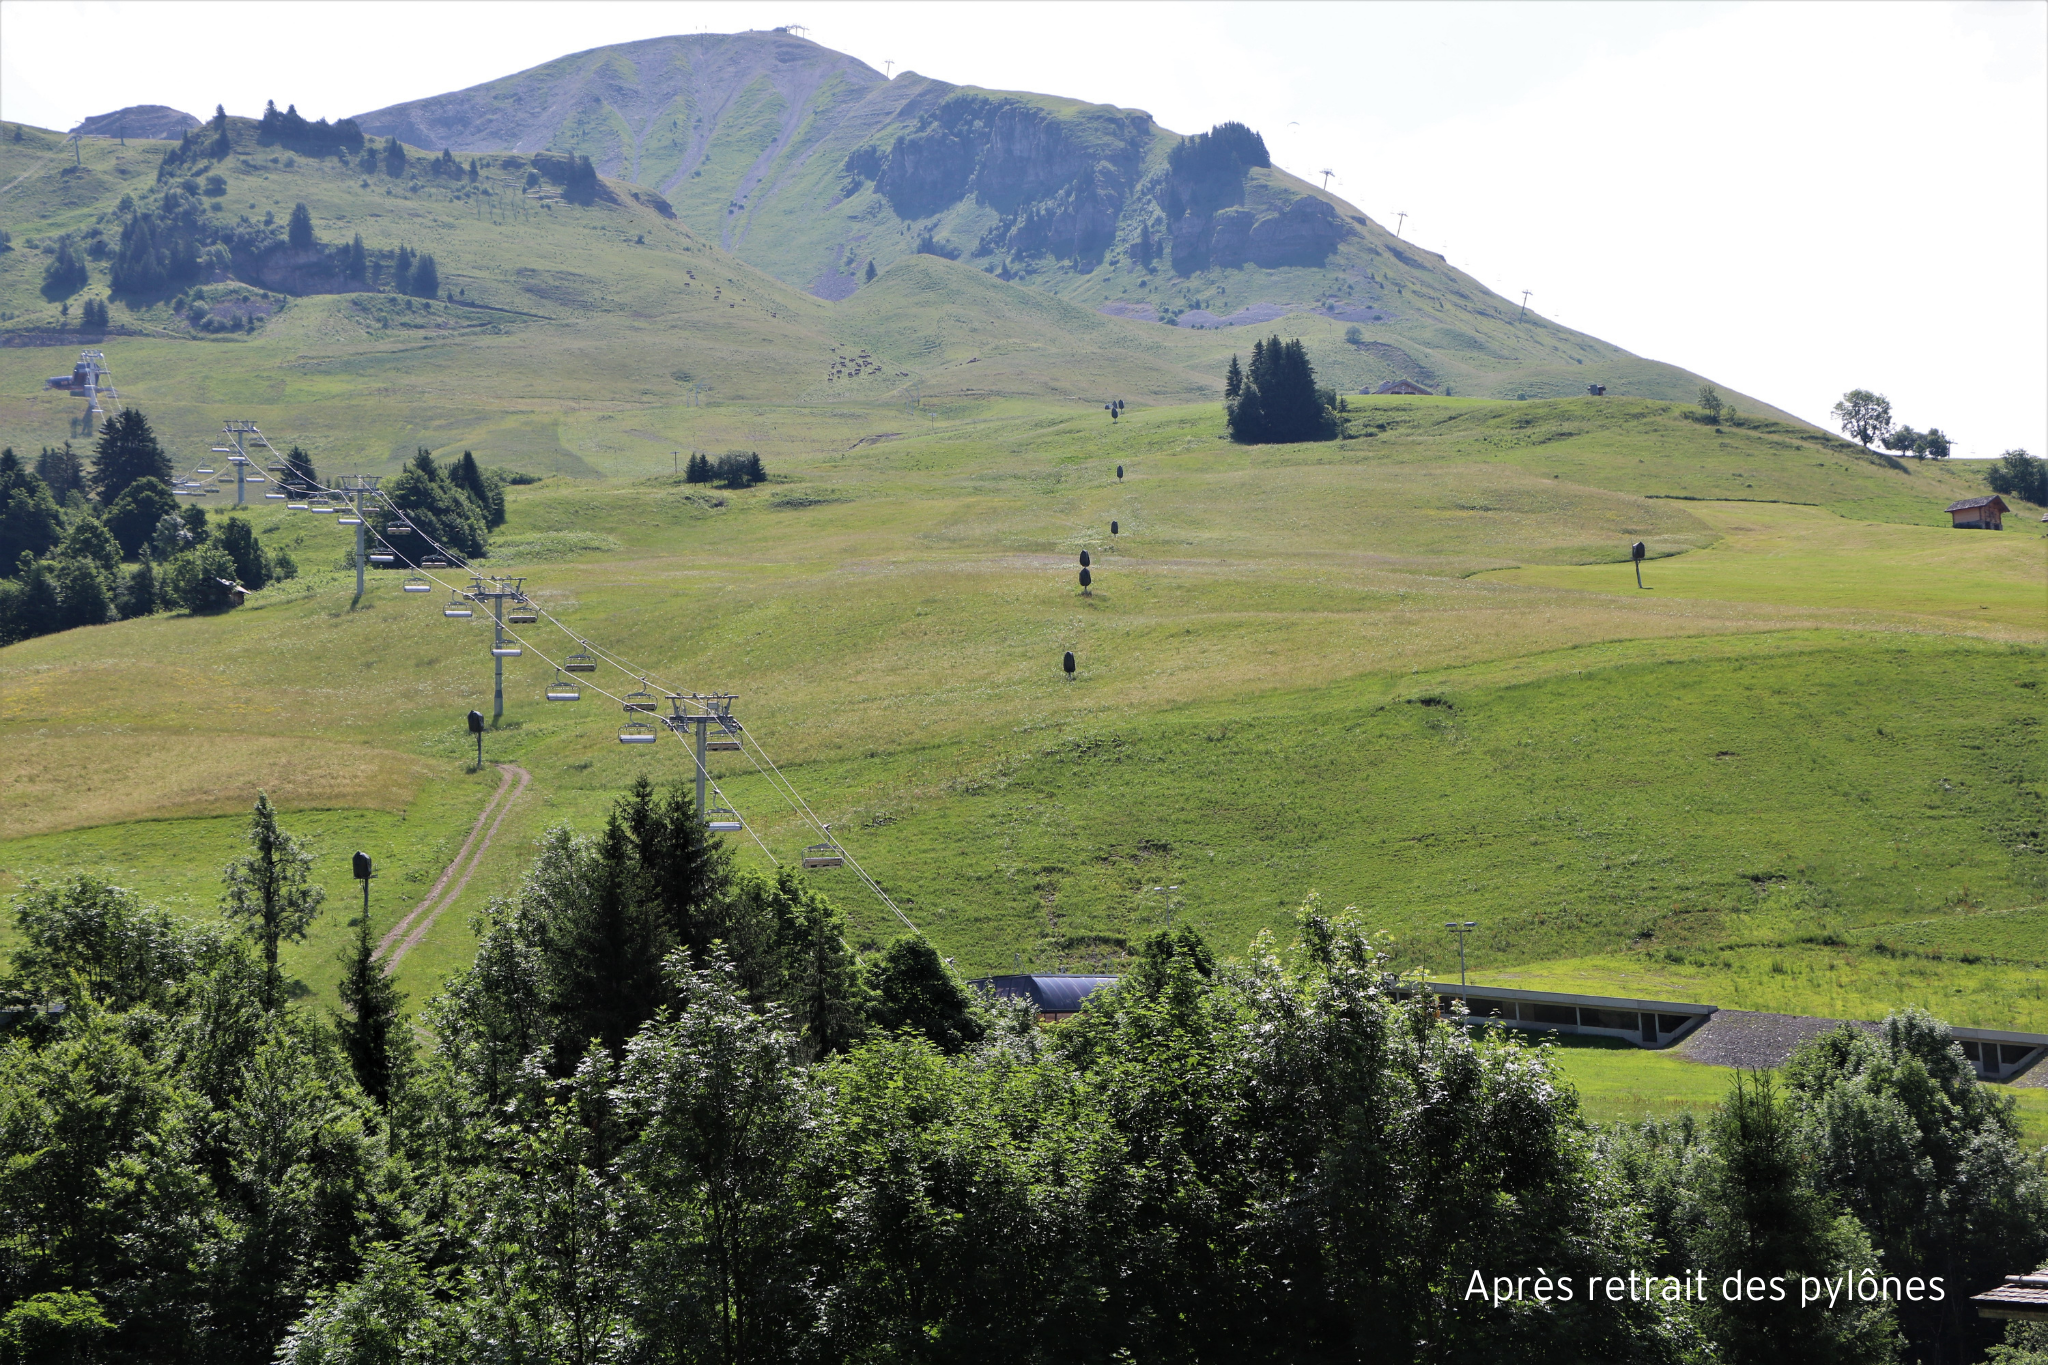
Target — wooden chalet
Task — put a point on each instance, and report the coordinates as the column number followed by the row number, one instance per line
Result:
column 1979, row 514
column 1404, row 386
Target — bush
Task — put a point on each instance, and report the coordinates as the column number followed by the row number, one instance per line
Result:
column 2017, row 474
column 192, row 580
column 135, row 514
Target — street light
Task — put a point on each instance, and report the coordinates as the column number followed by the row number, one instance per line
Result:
column 1461, row 930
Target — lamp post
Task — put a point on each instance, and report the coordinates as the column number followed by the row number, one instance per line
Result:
column 1461, row 930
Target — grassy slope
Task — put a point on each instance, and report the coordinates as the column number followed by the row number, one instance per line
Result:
column 1244, row 727
column 1785, row 738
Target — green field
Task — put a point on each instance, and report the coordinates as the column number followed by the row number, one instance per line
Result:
column 1800, row 769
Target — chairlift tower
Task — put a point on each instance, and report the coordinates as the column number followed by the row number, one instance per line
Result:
column 355, row 490
column 714, row 711
column 497, row 592
column 237, row 437
column 92, row 368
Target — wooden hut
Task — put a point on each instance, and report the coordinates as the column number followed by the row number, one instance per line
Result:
column 1979, row 514
column 1404, row 386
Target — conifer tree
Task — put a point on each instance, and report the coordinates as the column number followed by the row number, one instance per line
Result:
column 30, row 522
column 269, row 890
column 426, row 277
column 299, row 233
column 127, row 451
column 1233, row 380
column 871, row 272
column 372, row 1034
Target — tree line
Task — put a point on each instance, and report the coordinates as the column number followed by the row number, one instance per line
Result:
column 734, row 469
column 69, row 534
column 669, row 1113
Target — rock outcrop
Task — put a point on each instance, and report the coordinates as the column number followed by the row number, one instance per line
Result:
column 144, row 121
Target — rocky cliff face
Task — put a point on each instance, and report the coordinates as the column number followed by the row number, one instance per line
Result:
column 1058, row 185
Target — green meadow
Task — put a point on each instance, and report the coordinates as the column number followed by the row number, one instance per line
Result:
column 1800, row 768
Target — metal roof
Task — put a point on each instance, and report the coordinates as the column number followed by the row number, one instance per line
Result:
column 1967, row 503
column 1615, row 1002
column 1052, row 994
column 2021, row 1296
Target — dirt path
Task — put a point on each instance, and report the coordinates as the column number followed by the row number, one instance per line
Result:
column 466, row 861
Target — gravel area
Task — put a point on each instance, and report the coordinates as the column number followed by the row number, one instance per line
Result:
column 1752, row 1038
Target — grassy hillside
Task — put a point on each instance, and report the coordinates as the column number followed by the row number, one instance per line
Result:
column 1409, row 670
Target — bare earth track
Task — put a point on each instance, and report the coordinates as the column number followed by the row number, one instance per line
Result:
column 466, row 861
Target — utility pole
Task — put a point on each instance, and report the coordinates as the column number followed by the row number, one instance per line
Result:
column 1461, row 930
column 1525, row 304
column 1400, row 218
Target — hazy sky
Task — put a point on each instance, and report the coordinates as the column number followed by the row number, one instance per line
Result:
column 1793, row 199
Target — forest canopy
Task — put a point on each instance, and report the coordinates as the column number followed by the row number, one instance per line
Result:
column 670, row 1114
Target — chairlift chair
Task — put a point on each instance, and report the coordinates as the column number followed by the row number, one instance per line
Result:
column 723, row 820
column 639, row 700
column 276, row 497
column 824, row 855
column 579, row 662
column 564, row 689
column 320, row 505
column 383, row 559
column 203, row 472
column 348, row 521
column 521, row 613
column 223, row 450
column 433, row 562
column 418, row 584
column 458, row 608
column 636, row 732
column 726, row 741
column 505, row 651
column 398, row 528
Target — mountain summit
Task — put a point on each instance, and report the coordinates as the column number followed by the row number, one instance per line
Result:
column 810, row 165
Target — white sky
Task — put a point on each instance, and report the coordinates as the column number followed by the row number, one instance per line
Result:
column 1791, row 198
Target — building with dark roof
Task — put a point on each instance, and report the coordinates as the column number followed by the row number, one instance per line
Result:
column 1979, row 514
column 1057, row 997
column 1404, row 386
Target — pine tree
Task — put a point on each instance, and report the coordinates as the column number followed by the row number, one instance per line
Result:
column 299, row 234
column 426, row 278
column 401, row 270
column 697, row 469
column 357, row 264
column 394, row 158
column 138, row 596
column 373, row 1036
column 1233, row 380
column 127, row 451
column 268, row 889
column 30, row 522
column 61, row 470
column 871, row 272
column 1278, row 399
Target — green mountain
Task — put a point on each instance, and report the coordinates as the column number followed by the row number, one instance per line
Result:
column 808, row 164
